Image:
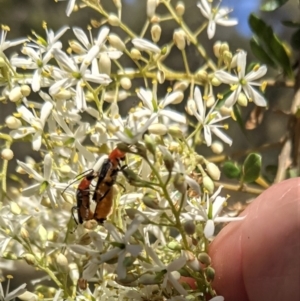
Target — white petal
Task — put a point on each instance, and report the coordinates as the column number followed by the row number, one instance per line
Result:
column 199, row 102
column 31, row 171
column 205, row 8
column 143, row 44
column 146, row 97
column 15, row 293
column 36, row 141
column 100, row 78
column 226, row 77
column 241, row 63
column 36, row 79
column 81, row 36
column 253, row 75
column 211, row 29
column 221, row 135
column 31, row 190
column 227, row 22
column 207, row 135
column 232, row 98
column 103, row 33
column 87, row 154
column 70, row 7
column 173, row 116
column 25, row 114
column 45, row 111
column 47, row 167
column 80, row 97
column 257, row 98
column 177, row 264
column 21, row 132
column 209, row 228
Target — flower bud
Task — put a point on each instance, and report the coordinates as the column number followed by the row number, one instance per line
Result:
column 224, row 47
column 111, row 96
column 135, row 54
column 175, row 131
column 189, row 227
column 210, row 273
column 155, row 32
column 217, row 147
column 12, row 122
column 182, row 86
column 180, row 183
column 62, row 263
column 168, row 161
column 242, row 100
column 15, row 94
column 180, row 8
column 63, row 94
column 150, row 201
column 227, row 58
column 125, row 83
column 216, row 48
column 215, row 82
column 149, row 279
column 113, row 20
column 208, row 184
column 151, row 7
column 42, row 233
column 179, row 39
column 28, row 296
column 7, row 154
column 150, row 144
column 204, row 258
column 174, row 245
column 158, row 129
column 65, row 169
column 29, row 258
column 14, row 208
column 160, row 75
column 24, row 233
column 213, row 171
column 104, row 64
column 118, row 4
column 116, row 42
column 201, row 75
column 25, row 90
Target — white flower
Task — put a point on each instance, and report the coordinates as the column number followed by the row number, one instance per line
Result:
column 197, row 107
column 86, row 44
column 45, row 182
column 51, row 41
column 243, row 82
column 12, row 295
column 153, row 106
column 215, row 16
column 131, row 130
column 70, row 74
column 210, row 214
column 6, row 44
column 37, row 60
column 125, row 248
column 171, row 274
column 36, row 124
column 72, row 140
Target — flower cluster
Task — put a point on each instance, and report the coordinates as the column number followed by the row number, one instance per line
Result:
column 159, row 226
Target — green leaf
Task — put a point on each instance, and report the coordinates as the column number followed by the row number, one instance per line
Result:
column 291, row 23
column 231, row 170
column 251, row 168
column 272, row 5
column 260, row 53
column 295, row 40
column 271, row 44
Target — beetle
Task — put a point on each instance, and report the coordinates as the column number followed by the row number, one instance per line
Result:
column 103, row 195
